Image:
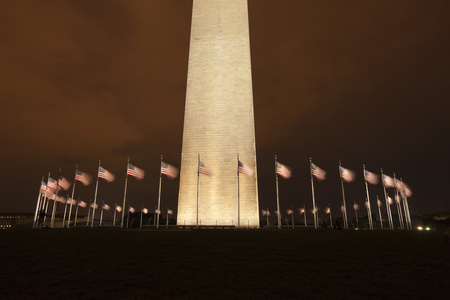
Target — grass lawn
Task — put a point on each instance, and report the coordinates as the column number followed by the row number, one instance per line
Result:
column 102, row 263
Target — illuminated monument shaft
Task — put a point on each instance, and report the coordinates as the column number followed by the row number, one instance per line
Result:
column 219, row 121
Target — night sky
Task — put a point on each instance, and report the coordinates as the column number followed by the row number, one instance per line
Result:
column 355, row 81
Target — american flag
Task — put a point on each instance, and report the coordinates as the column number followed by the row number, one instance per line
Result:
column 92, row 205
column 327, row 210
column 398, row 184
column 265, row 212
column 60, row 199
column 170, row 212
column 355, row 206
column 118, row 208
column 106, row 206
column 169, row 170
column 135, row 172
column 370, row 177
column 346, row 174
column 397, row 198
column 407, row 190
column 69, row 201
column 379, row 203
column 318, row 172
column 81, row 203
column 289, row 211
column 43, row 187
column 51, row 183
column 157, row 211
column 283, row 171
column 202, row 169
column 51, row 196
column 103, row 173
column 82, row 177
column 366, row 204
column 131, row 209
column 244, row 169
column 63, row 182
column 145, row 211
column 301, row 210
column 388, row 181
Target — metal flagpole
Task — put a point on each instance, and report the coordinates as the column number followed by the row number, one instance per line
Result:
column 45, row 203
column 331, row 219
column 406, row 208
column 159, row 194
column 65, row 210
column 73, row 192
column 399, row 207
column 125, row 197
column 356, row 214
column 76, row 213
column 167, row 219
column 312, row 192
column 238, row 190
column 198, row 182
column 379, row 212
column 278, row 197
column 95, row 196
column 388, row 207
column 304, row 215
column 142, row 208
column 115, row 212
column 267, row 214
column 101, row 214
column 38, row 203
column 52, row 222
column 343, row 198
column 369, row 210
column 89, row 213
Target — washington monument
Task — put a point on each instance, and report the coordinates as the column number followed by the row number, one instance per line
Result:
column 219, row 122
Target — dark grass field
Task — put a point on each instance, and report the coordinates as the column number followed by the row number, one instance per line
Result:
column 82, row 263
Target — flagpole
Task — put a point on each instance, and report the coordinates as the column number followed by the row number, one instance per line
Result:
column 304, row 215
column 125, row 197
column 369, row 210
column 399, row 207
column 73, row 192
column 343, row 198
column 76, row 213
column 167, row 218
column 140, row 226
column 278, row 197
column 65, row 210
column 89, row 212
column 239, row 194
column 45, row 203
column 115, row 212
column 159, row 194
column 101, row 214
column 356, row 215
column 95, row 196
column 313, row 197
column 406, row 208
column 38, row 203
column 379, row 213
column 331, row 219
column 388, row 207
column 52, row 222
column 198, row 182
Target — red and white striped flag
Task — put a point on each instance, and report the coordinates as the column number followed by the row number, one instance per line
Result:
column 388, row 181
column 346, row 174
column 318, row 172
column 283, row 171
column 43, row 187
column 169, row 170
column 106, row 206
column 289, row 211
column 202, row 169
column 103, row 173
column 135, row 172
column 145, row 211
column 82, row 177
column 51, row 184
column 370, row 177
column 170, row 212
column 82, row 204
column 63, row 183
column 118, row 208
column 60, row 199
column 131, row 210
column 92, row 205
column 244, row 169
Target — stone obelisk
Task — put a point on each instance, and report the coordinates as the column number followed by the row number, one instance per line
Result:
column 219, row 119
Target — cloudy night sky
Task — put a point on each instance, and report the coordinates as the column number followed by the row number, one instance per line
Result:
column 350, row 81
